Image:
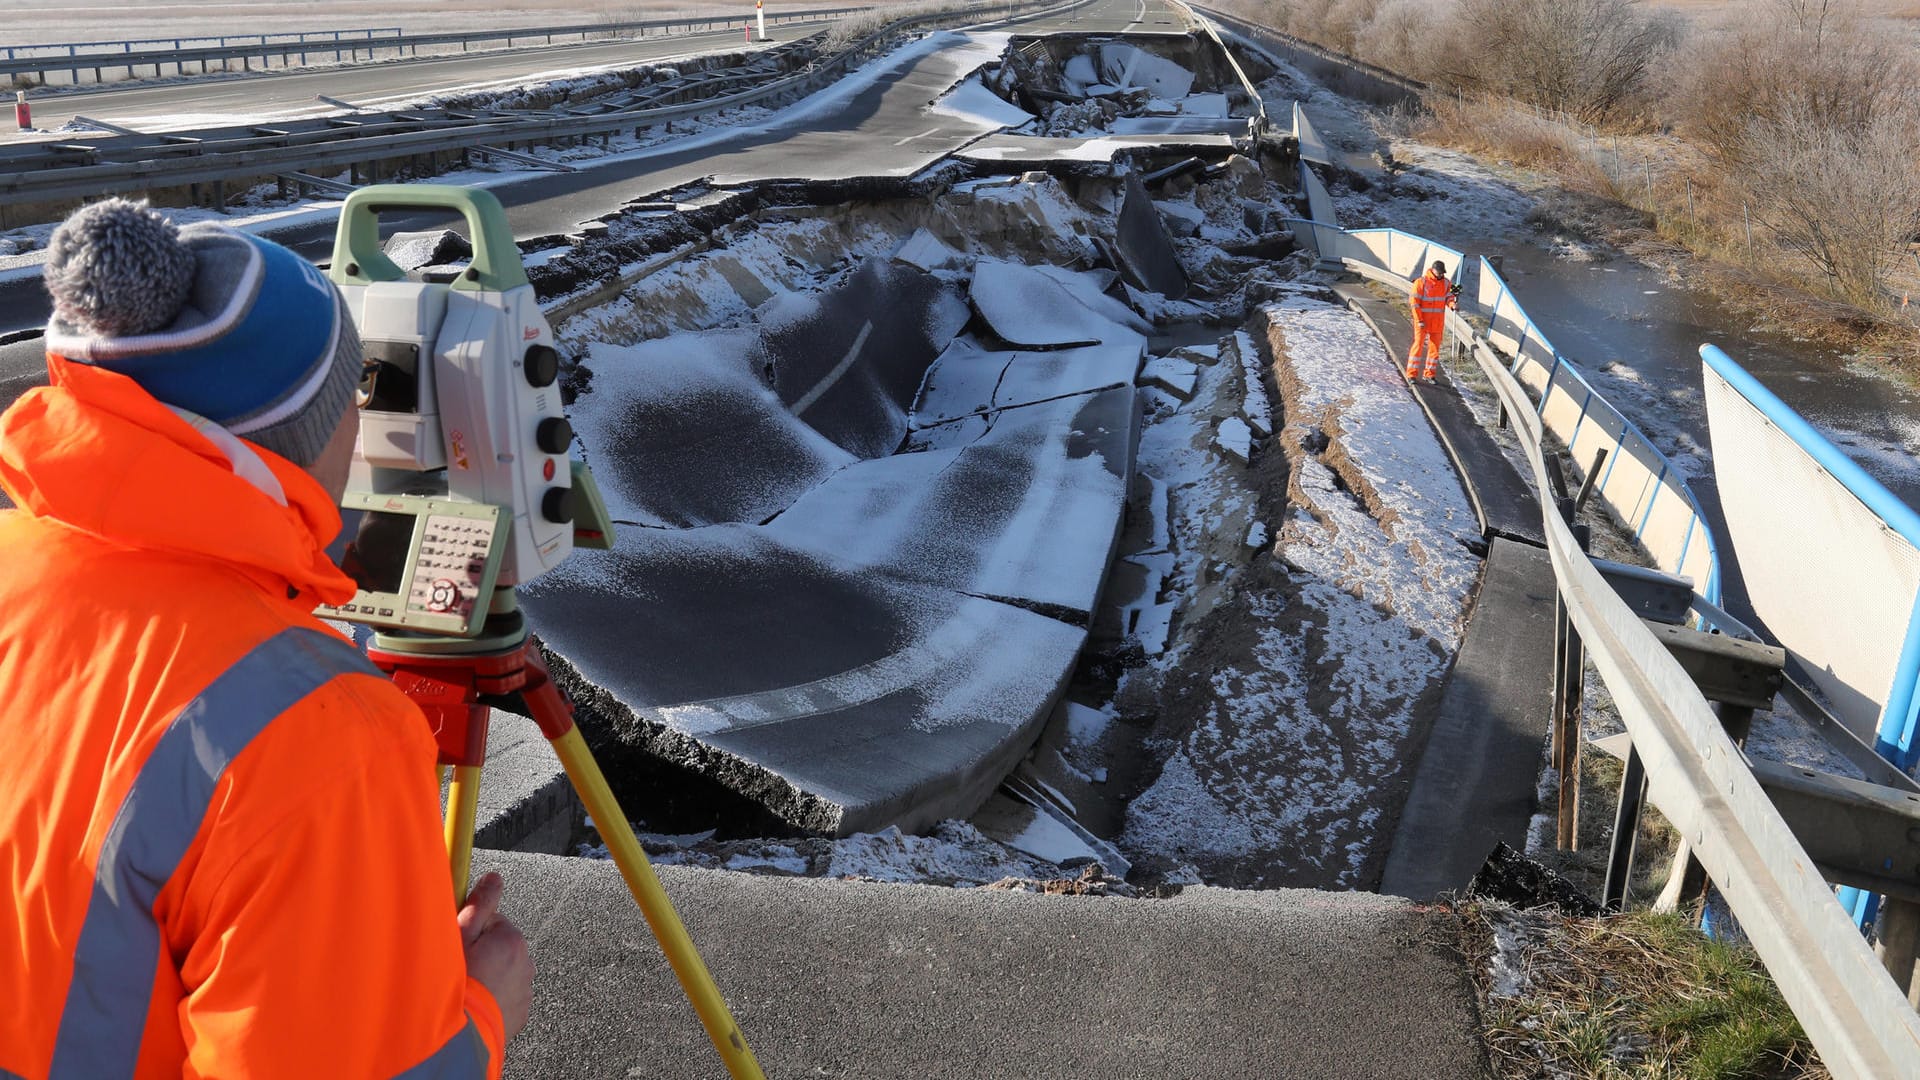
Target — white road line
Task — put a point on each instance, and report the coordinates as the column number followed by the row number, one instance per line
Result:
column 820, row 388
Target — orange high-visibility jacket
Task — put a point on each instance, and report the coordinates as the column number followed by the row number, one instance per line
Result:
column 218, row 837
column 1431, row 298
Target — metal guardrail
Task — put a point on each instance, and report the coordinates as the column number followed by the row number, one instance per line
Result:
column 120, row 47
column 1258, row 123
column 1273, row 41
column 1856, row 1015
column 1638, row 484
column 99, row 62
column 274, row 155
column 70, row 49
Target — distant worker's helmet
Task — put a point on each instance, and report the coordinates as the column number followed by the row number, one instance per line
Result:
column 1438, row 267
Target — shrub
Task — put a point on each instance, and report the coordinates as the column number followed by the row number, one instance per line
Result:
column 1586, row 58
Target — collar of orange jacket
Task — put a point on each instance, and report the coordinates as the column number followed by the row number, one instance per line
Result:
column 99, row 454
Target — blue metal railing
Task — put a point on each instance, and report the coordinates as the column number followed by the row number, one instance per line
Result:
column 1898, row 715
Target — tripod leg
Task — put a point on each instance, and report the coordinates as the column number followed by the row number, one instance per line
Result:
column 666, row 924
column 555, row 716
column 463, row 800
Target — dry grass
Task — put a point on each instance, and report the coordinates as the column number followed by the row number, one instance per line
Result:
column 1639, row 995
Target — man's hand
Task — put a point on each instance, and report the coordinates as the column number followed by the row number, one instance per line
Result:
column 497, row 953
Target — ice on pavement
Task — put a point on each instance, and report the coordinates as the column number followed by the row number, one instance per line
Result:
column 973, row 101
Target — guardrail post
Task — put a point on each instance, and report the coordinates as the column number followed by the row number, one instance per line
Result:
column 1626, row 832
column 1586, row 483
column 1899, row 932
column 1569, row 684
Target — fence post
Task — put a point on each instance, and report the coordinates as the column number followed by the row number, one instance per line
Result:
column 1747, row 219
column 1690, row 214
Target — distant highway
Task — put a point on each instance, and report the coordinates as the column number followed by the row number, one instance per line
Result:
column 278, row 95
column 881, row 129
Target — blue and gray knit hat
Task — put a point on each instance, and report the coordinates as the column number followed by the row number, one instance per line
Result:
column 208, row 319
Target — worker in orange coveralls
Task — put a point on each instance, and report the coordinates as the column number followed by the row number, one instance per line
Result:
column 220, row 849
column 1432, row 295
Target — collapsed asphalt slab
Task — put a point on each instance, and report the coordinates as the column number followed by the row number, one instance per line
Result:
column 856, row 979
column 911, row 616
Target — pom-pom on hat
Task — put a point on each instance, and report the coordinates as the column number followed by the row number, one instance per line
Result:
column 208, row 319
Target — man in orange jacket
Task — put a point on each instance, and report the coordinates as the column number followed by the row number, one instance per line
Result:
column 1432, row 295
column 219, row 843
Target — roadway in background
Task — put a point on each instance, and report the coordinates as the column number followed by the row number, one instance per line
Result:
column 287, row 94
column 883, row 129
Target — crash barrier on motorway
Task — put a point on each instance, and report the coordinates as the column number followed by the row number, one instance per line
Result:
column 1637, row 482
column 1312, row 147
column 1853, row 1010
column 270, row 154
column 1815, row 535
column 1850, row 1006
column 69, row 49
column 1257, row 124
column 74, row 62
column 1341, row 73
column 1857, row 1017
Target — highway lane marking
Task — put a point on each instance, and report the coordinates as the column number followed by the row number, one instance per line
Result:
column 820, row 388
column 910, row 138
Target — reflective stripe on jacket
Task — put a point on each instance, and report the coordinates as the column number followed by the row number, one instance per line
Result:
column 220, row 854
column 1430, row 298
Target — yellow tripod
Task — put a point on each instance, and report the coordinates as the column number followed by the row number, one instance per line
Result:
column 449, row 678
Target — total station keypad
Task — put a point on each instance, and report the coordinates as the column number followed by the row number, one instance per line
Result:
column 453, row 559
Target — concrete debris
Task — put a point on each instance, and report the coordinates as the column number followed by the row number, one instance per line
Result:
column 926, row 251
column 1255, row 406
column 1030, row 309
column 1234, row 439
column 1129, row 66
column 1153, row 627
column 1180, row 218
column 1147, row 256
column 438, row 247
column 1171, row 374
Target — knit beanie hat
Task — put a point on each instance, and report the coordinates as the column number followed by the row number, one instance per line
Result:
column 208, row 319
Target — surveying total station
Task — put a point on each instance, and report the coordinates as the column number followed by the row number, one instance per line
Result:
column 465, row 487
